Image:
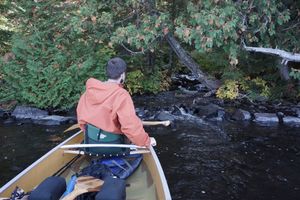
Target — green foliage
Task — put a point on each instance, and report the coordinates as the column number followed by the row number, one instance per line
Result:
column 253, row 89
column 54, row 57
column 257, row 89
column 134, row 81
column 209, row 63
column 59, row 44
column 229, row 90
column 210, row 25
column 286, row 91
column 295, row 74
column 157, row 81
column 223, row 24
column 138, row 82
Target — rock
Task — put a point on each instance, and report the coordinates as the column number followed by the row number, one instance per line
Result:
column 221, row 115
column 9, row 121
column 241, row 115
column 297, row 111
column 266, row 118
column 24, row 112
column 218, row 116
column 164, row 115
column 262, row 108
column 210, row 110
column 2, row 113
column 200, row 87
column 141, row 112
column 52, row 120
column 291, row 120
column 186, row 91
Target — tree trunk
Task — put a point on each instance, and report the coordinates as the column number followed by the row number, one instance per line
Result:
column 188, row 61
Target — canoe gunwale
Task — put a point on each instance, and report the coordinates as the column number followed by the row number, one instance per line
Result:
column 165, row 185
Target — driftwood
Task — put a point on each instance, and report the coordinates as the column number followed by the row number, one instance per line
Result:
column 188, row 61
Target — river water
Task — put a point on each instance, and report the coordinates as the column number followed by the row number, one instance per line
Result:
column 210, row 161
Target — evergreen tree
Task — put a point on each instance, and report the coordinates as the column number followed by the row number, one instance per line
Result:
column 57, row 50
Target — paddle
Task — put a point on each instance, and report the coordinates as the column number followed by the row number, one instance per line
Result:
column 83, row 185
column 150, row 123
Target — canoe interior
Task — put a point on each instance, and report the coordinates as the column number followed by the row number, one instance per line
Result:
column 145, row 183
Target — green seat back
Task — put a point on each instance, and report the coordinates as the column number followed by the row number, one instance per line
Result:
column 94, row 135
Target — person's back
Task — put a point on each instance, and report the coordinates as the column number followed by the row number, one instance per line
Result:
column 109, row 107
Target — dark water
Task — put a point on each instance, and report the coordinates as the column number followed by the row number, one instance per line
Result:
column 21, row 145
column 244, row 161
column 215, row 161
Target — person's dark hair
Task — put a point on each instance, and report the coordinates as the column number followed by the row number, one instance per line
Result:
column 115, row 67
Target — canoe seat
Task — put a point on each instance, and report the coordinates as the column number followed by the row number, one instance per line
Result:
column 94, row 135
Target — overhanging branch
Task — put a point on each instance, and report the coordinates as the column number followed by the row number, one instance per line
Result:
column 287, row 56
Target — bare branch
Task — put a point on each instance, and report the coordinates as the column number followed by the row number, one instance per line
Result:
column 132, row 52
column 288, row 56
column 291, row 27
column 144, row 50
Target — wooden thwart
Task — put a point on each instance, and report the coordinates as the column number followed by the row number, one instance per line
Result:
column 83, row 185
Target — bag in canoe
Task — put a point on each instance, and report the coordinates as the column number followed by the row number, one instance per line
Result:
column 123, row 167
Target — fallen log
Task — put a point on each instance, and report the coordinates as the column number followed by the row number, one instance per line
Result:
column 188, row 61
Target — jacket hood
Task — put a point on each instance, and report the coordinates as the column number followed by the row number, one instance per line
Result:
column 97, row 91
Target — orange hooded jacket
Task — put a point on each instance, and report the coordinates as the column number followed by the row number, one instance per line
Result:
column 109, row 106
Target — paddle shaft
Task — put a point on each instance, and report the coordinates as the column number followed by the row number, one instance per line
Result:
column 153, row 123
column 149, row 123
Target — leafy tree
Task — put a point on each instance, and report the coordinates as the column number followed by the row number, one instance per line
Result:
column 58, row 48
column 61, row 43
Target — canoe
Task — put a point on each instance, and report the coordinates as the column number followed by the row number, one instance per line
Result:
column 147, row 182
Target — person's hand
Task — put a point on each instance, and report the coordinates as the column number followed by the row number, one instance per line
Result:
column 152, row 141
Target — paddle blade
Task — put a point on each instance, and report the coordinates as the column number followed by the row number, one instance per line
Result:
column 88, row 183
column 73, row 127
column 83, row 185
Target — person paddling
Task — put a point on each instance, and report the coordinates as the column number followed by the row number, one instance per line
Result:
column 109, row 107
